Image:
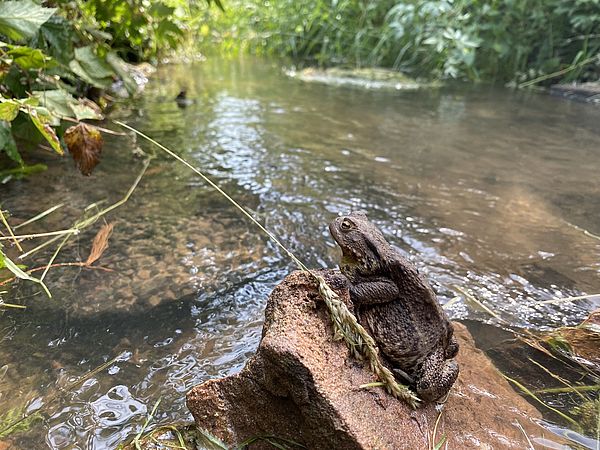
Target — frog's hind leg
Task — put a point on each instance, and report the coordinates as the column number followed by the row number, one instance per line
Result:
column 436, row 376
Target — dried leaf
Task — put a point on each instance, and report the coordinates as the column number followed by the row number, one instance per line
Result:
column 85, row 145
column 100, row 244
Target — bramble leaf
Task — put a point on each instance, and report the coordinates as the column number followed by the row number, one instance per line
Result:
column 62, row 104
column 7, row 142
column 22, row 19
column 46, row 130
column 9, row 110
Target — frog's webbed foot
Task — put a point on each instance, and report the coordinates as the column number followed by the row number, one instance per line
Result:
column 437, row 376
column 337, row 281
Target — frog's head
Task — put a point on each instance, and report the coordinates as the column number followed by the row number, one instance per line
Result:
column 363, row 246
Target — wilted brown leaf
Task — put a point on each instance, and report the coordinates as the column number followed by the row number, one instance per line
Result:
column 100, row 244
column 85, row 145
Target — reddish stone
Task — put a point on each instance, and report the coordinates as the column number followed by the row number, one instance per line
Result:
column 302, row 386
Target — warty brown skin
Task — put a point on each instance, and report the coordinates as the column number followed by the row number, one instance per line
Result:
column 398, row 308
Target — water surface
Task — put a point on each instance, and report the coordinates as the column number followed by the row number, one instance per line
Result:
column 484, row 188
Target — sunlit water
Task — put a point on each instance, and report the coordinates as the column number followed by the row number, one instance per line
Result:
column 483, row 187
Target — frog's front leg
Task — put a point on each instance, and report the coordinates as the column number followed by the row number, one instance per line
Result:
column 373, row 292
column 436, row 376
column 452, row 349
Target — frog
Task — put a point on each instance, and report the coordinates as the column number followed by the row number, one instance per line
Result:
column 397, row 306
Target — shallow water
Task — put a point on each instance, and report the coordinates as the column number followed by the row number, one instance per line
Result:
column 485, row 188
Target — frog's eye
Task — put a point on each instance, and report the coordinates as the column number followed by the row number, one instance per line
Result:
column 346, row 224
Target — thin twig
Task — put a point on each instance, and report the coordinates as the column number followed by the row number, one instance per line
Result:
column 220, row 191
column 39, row 247
column 471, row 297
column 54, row 255
column 71, row 264
column 583, row 230
column 104, row 130
column 531, row 447
column 46, row 234
column 592, row 388
column 557, row 377
column 536, row 398
column 39, row 216
column 558, row 73
column 556, row 301
column 12, row 305
column 10, row 231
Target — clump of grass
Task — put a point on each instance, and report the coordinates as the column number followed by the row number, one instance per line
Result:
column 10, row 421
column 190, row 437
column 523, row 41
column 588, row 414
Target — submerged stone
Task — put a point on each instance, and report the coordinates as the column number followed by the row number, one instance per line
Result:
column 302, row 386
column 368, row 78
column 584, row 92
column 582, row 341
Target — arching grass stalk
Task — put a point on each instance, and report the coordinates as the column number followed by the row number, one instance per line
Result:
column 345, row 325
column 540, row 401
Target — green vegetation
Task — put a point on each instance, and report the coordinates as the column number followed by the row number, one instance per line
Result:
column 491, row 40
column 57, row 62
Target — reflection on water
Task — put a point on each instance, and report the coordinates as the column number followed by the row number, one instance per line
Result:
column 481, row 187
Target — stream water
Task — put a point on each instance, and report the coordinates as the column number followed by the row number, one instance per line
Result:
column 485, row 188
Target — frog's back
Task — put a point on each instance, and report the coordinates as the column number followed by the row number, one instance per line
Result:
column 416, row 319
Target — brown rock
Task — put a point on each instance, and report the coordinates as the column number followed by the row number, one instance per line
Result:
column 302, row 386
column 582, row 341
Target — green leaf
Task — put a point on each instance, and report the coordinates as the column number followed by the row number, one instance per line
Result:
column 25, row 132
column 91, row 68
column 46, row 130
column 7, row 142
column 56, row 101
column 120, row 67
column 58, row 33
column 78, row 70
column 439, row 445
column 22, row 19
column 46, row 117
column 160, row 10
column 29, row 58
column 15, row 82
column 9, row 110
column 92, row 64
column 16, row 270
column 86, row 109
column 62, row 104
